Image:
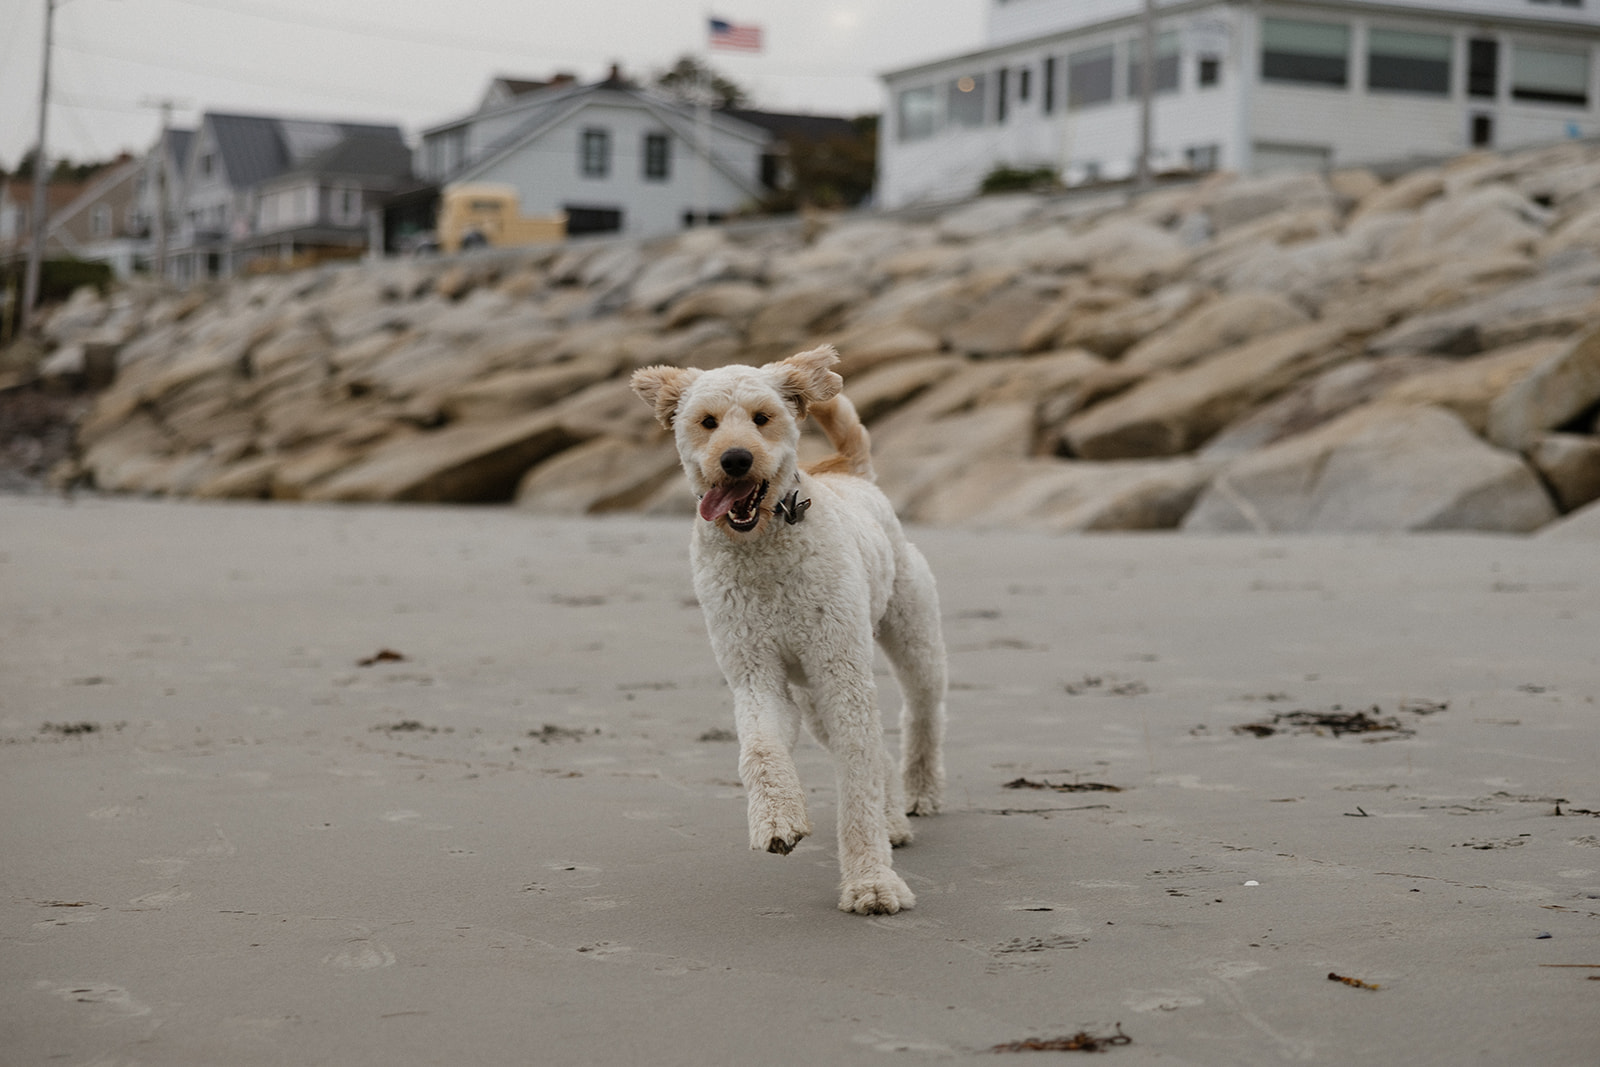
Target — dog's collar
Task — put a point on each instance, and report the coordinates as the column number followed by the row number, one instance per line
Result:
column 791, row 509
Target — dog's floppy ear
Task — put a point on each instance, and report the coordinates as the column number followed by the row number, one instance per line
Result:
column 805, row 378
column 662, row 387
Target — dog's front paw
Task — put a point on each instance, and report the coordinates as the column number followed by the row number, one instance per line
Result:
column 884, row 893
column 899, row 829
column 778, row 831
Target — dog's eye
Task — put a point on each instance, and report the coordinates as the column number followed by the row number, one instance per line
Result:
column 760, row 418
column 709, row 422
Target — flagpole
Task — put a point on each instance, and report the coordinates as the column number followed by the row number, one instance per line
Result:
column 702, row 128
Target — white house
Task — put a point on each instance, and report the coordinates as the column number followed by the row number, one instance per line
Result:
column 612, row 156
column 1246, row 85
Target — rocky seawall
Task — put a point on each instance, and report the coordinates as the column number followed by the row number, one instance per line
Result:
column 1287, row 353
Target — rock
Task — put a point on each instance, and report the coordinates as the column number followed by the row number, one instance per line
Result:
column 1404, row 194
column 988, row 215
column 606, row 474
column 1491, row 219
column 733, row 302
column 1250, row 199
column 1380, row 469
column 1549, row 304
column 1581, row 525
column 1570, row 466
column 464, row 464
column 1112, row 331
column 249, row 479
column 1226, row 322
column 918, row 458
column 791, row 318
column 1068, row 496
column 1467, row 387
column 863, row 348
column 1178, row 411
column 1559, row 389
column 513, row 393
column 1315, row 402
column 997, row 326
column 885, row 388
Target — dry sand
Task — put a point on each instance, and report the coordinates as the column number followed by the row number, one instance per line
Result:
column 226, row 843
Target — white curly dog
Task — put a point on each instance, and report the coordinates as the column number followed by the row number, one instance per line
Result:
column 798, row 571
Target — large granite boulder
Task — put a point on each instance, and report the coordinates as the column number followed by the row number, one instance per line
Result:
column 1380, row 469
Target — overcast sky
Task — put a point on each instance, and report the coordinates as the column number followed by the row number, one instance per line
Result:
column 418, row 62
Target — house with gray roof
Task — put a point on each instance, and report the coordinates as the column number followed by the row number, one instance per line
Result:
column 320, row 176
column 610, row 155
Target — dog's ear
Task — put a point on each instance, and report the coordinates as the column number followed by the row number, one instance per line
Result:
column 806, row 379
column 662, row 387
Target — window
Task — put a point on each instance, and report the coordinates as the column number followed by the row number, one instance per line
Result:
column 1408, row 62
column 1024, row 84
column 1483, row 131
column 918, row 112
column 965, row 101
column 1210, row 72
column 582, row 219
column 1048, row 104
column 1090, row 77
column 100, row 222
column 1203, row 158
column 1001, row 83
column 594, row 153
column 208, row 163
column 657, row 157
column 1483, row 68
column 346, row 205
column 1549, row 75
column 1314, row 53
column 1166, row 49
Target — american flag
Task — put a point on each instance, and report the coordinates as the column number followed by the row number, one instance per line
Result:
column 731, row 35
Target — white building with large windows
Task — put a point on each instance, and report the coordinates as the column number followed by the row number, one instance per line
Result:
column 1245, row 85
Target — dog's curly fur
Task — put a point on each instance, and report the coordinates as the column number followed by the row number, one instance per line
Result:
column 793, row 607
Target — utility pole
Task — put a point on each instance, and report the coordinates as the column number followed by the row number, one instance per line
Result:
column 1147, row 87
column 162, row 156
column 41, row 177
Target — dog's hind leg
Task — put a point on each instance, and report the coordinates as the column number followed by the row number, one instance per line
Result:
column 912, row 638
column 894, row 811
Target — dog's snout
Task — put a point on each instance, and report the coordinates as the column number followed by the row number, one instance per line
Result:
column 736, row 462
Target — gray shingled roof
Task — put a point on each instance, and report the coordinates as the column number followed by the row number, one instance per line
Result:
column 255, row 148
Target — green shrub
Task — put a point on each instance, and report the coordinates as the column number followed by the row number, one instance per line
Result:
column 1008, row 179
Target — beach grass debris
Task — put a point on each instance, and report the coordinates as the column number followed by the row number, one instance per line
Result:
column 1335, row 721
column 1354, row 983
column 383, row 655
column 1082, row 1041
column 1062, row 787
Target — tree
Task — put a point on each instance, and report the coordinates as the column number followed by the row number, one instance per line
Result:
column 686, row 79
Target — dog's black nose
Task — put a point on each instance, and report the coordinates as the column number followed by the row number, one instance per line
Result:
column 736, row 462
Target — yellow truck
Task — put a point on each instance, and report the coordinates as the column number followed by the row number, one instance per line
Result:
column 480, row 214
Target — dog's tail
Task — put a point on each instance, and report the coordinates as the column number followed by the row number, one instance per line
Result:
column 850, row 439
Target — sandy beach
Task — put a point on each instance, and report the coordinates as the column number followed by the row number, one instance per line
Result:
column 348, row 786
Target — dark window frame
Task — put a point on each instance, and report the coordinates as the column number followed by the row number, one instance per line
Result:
column 594, row 152
column 657, row 157
column 1290, row 67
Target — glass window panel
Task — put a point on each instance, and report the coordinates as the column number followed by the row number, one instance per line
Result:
column 1167, row 51
column 1408, row 62
column 1550, row 75
column 1090, row 77
column 1315, row 53
column 965, row 105
column 918, row 112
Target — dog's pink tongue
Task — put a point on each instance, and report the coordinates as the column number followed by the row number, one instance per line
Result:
column 720, row 499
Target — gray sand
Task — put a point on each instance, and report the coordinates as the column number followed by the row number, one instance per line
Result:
column 524, row 843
